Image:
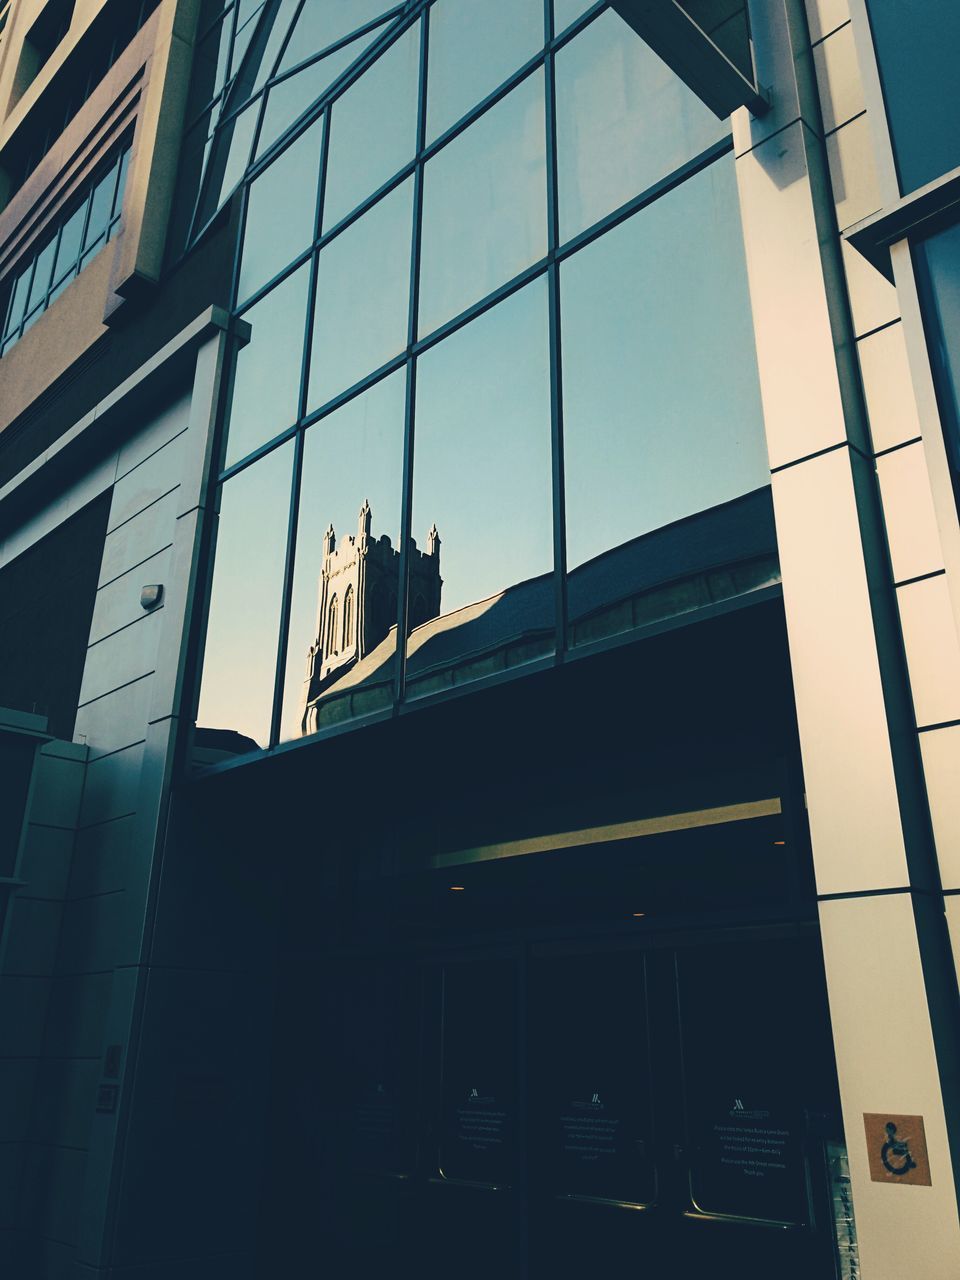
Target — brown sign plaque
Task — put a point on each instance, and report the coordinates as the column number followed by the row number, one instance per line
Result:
column 897, row 1149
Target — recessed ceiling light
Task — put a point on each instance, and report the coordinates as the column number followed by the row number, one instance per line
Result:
column 457, row 888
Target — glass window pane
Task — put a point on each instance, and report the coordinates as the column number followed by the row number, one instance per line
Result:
column 41, row 276
column 240, row 657
column 209, row 72
column 69, row 248
column 748, row 1081
column 473, row 49
column 122, row 181
column 18, row 303
column 481, row 587
column 281, row 212
column 266, row 389
column 940, row 256
column 100, row 208
column 321, row 25
column 343, row 635
column 917, row 52
column 229, row 157
column 667, row 498
column 594, row 1139
column 194, row 151
column 363, row 292
column 261, row 38
column 484, row 206
column 567, row 11
column 624, row 121
column 373, row 129
column 479, row 1091
column 288, row 99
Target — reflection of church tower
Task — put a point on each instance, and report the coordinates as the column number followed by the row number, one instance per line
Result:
column 357, row 599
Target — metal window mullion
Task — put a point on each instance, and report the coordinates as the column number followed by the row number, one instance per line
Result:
column 556, row 370
column 406, row 502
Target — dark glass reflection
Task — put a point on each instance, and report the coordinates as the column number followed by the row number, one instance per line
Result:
column 210, row 62
column 939, row 261
column 473, row 49
column 748, row 1081
column 240, row 655
column 667, row 505
column 479, row 1084
column 341, row 654
column 591, row 1112
column 266, row 389
column 480, row 594
column 484, row 205
column 624, row 120
column 917, row 52
column 281, row 212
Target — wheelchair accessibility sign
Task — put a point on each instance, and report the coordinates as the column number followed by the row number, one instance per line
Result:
column 897, row 1148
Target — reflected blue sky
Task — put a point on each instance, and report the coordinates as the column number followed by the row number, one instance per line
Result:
column 363, row 291
column 323, row 22
column 267, row 385
column 243, row 630
column 482, row 450
column 373, row 128
column 281, row 211
column 662, row 412
column 473, row 48
column 484, row 205
column 624, row 120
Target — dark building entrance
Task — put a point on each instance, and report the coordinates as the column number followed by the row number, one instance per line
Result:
column 549, row 994
column 567, row 1109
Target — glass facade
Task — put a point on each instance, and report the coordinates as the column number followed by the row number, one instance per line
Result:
column 92, row 221
column 938, row 264
column 916, row 52
column 486, row 418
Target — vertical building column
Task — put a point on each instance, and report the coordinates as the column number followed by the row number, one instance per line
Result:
column 863, row 801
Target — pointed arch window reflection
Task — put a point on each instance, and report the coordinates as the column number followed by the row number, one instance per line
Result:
column 348, row 619
column 333, row 618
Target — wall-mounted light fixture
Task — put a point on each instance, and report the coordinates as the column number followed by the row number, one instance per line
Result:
column 150, row 596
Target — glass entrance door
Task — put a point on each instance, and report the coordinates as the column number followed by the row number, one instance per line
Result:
column 549, row 1112
column 679, row 1097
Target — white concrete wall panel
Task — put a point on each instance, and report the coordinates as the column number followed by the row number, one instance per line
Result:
column 853, row 170
column 886, row 1062
column 908, row 513
column 838, row 79
column 941, row 767
column 873, row 299
column 118, row 602
column 848, row 767
column 887, row 386
column 825, row 16
column 122, row 657
column 933, row 651
column 112, row 785
column 802, row 408
column 139, row 539
column 117, row 719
